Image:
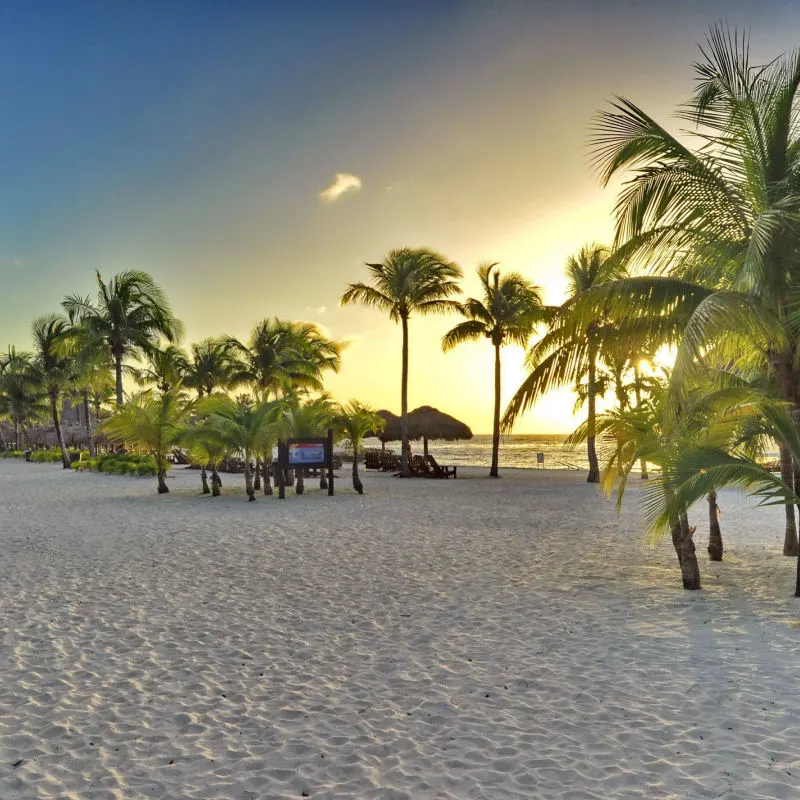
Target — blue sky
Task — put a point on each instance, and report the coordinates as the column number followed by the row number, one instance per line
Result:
column 193, row 139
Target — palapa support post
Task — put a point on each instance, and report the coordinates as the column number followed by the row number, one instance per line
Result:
column 330, row 462
column 281, row 476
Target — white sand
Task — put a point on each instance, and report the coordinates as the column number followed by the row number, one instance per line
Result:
column 468, row 639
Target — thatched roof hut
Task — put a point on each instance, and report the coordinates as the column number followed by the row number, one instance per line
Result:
column 391, row 428
column 424, row 423
column 427, row 422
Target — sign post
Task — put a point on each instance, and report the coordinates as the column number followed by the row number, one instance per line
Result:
column 330, row 462
column 310, row 453
column 281, row 476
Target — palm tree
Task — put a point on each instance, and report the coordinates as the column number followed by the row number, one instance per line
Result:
column 92, row 366
column 722, row 216
column 211, row 367
column 244, row 426
column 507, row 314
column 354, row 422
column 281, row 355
column 207, row 447
column 165, row 367
column 151, row 422
column 21, row 399
column 408, row 281
column 561, row 357
column 130, row 314
column 54, row 370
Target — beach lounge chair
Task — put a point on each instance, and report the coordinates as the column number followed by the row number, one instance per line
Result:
column 372, row 459
column 419, row 468
column 439, row 471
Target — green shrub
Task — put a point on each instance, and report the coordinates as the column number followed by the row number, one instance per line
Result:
column 119, row 464
column 11, row 454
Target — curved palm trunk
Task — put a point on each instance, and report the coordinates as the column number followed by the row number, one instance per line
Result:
column 690, row 569
column 594, row 467
column 404, row 465
column 357, row 485
column 714, row 533
column 162, row 482
column 257, row 477
column 204, row 480
column 790, row 545
column 59, row 434
column 118, row 377
column 493, row 472
column 248, row 479
column 87, row 422
column 215, row 482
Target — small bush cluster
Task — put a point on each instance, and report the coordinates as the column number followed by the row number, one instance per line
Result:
column 47, row 456
column 11, row 454
column 119, row 464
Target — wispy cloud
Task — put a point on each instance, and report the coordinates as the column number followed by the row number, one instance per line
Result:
column 343, row 182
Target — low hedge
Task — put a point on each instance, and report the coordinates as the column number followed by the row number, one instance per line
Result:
column 119, row 464
column 48, row 456
column 11, row 454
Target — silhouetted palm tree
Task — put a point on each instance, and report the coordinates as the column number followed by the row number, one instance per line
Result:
column 408, row 281
column 507, row 314
column 130, row 314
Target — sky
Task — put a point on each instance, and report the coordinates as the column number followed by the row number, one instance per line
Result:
column 252, row 156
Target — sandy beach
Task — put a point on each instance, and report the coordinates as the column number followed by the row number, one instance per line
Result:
column 429, row 640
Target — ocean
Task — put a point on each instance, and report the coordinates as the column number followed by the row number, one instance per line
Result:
column 516, row 450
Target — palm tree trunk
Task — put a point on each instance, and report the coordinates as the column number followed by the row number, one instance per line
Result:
column 357, row 485
column 299, row 485
column 323, row 479
column 493, row 472
column 790, row 544
column 594, row 467
column 690, row 569
column 25, row 438
column 59, row 434
column 248, row 479
column 16, row 435
column 267, row 482
column 676, row 540
column 714, row 533
column 118, row 376
column 257, row 479
column 204, row 479
column 215, row 482
column 638, row 390
column 404, row 465
column 162, row 481
column 88, row 422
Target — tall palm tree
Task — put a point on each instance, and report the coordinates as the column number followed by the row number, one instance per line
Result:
column 507, row 314
column 92, row 366
column 562, row 359
column 721, row 216
column 408, row 281
column 166, row 366
column 130, row 313
column 151, row 422
column 354, row 422
column 280, row 355
column 54, row 369
column 210, row 367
